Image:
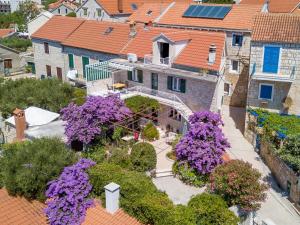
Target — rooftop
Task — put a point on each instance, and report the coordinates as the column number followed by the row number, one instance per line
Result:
column 276, row 6
column 69, row 4
column 277, row 27
column 174, row 16
column 5, row 32
column 18, row 210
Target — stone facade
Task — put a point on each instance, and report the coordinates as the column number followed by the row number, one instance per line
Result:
column 13, row 55
column 54, row 59
column 238, row 81
column 289, row 61
column 287, row 179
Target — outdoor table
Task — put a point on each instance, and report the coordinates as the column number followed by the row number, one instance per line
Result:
column 118, row 85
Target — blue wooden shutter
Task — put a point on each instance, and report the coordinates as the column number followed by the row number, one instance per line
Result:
column 129, row 75
column 266, row 92
column 271, row 59
column 182, row 85
column 170, row 82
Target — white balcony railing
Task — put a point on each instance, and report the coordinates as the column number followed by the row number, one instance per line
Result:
column 149, row 59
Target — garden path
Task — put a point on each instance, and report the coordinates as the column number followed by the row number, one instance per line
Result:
column 162, row 148
column 276, row 207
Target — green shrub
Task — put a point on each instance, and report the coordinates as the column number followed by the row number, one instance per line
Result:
column 19, row 44
column 79, row 96
column 239, row 184
column 27, row 167
column 143, row 157
column 212, row 209
column 290, row 152
column 189, row 175
column 97, row 153
column 71, row 14
column 120, row 157
column 139, row 103
column 150, row 132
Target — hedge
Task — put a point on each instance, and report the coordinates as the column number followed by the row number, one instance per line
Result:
column 143, row 157
column 150, row 132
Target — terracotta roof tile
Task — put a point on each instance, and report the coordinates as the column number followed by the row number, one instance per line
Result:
column 277, row 27
column 58, row 28
column 5, row 32
column 19, row 211
column 68, row 3
column 91, row 35
column 276, row 6
column 239, row 17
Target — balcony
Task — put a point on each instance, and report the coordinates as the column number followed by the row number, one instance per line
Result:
column 256, row 75
column 149, row 59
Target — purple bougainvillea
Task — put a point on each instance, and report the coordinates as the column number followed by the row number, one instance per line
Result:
column 68, row 195
column 85, row 122
column 204, row 143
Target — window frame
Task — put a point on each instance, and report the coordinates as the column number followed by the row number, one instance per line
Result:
column 70, row 54
column 99, row 12
column 177, row 86
column 46, row 48
column 229, row 89
column 259, row 91
column 231, row 70
column 8, row 61
column 85, row 11
column 237, row 34
column 279, row 58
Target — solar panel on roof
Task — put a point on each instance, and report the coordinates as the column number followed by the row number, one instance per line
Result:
column 207, row 11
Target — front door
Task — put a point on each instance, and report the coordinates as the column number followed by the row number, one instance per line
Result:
column 85, row 61
column 59, row 73
column 154, row 81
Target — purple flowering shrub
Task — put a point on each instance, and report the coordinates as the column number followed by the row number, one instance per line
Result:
column 68, row 195
column 204, row 144
column 85, row 122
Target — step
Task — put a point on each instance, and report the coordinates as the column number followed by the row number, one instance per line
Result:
column 164, row 173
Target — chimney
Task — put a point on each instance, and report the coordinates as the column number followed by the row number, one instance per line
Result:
column 120, row 6
column 212, row 54
column 265, row 8
column 112, row 194
column 20, row 123
column 132, row 29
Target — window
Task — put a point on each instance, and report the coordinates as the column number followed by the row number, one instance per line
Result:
column 7, row 63
column 227, row 87
column 271, row 59
column 85, row 11
column 176, row 84
column 237, row 40
column 59, row 73
column 58, row 10
column 175, row 115
column 71, row 61
column 48, row 71
column 134, row 6
column 98, row 12
column 66, row 11
column 266, row 91
column 46, row 47
column 136, row 76
column 234, row 67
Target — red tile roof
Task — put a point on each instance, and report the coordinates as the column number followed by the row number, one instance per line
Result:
column 91, row 35
column 194, row 54
column 5, row 32
column 239, row 17
column 68, row 3
column 277, row 27
column 19, row 211
column 58, row 28
column 276, row 6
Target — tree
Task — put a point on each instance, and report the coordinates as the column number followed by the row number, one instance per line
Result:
column 28, row 10
column 27, row 167
column 239, row 184
column 86, row 122
column 71, row 14
column 50, row 94
column 143, row 157
column 150, row 132
column 204, row 144
column 212, row 209
column 68, row 195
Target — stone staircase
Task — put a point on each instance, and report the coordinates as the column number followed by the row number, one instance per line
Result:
column 164, row 173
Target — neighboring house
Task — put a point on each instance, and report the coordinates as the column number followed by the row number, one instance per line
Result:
column 235, row 21
column 10, row 61
column 14, row 4
column 275, row 6
column 4, row 7
column 275, row 63
column 63, row 7
column 18, row 210
column 46, row 42
column 6, row 33
column 39, row 21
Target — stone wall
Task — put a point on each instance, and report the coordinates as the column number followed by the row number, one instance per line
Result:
column 282, row 173
column 289, row 63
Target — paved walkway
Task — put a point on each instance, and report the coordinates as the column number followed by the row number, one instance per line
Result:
column 276, row 207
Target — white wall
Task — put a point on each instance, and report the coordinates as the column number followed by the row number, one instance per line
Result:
column 39, row 21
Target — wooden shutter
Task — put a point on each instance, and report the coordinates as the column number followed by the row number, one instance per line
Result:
column 48, row 70
column 140, row 76
column 46, row 47
column 59, row 73
column 170, row 82
column 7, row 63
column 129, row 75
column 182, row 85
column 71, row 61
column 271, row 59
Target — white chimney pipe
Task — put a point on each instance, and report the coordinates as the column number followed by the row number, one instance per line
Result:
column 112, row 195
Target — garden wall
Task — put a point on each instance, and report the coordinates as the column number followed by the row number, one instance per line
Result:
column 284, row 175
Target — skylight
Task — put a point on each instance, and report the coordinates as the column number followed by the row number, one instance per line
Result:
column 134, row 6
column 149, row 12
column 108, row 30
